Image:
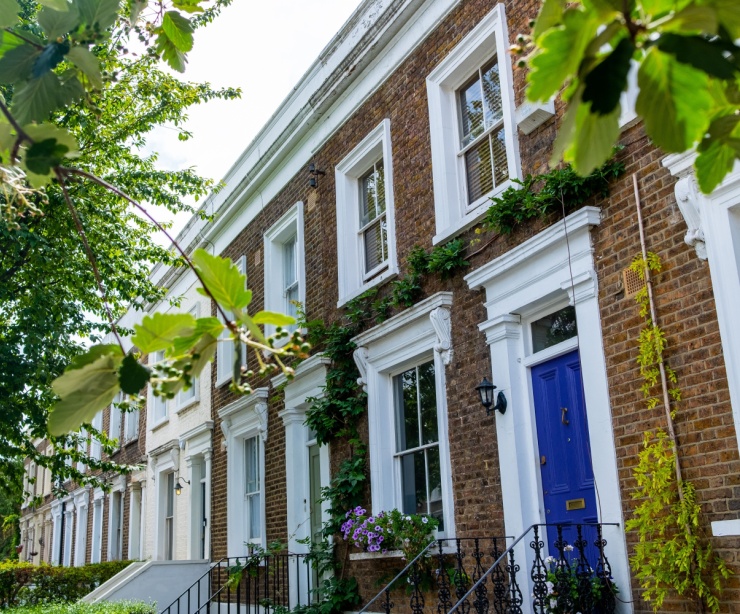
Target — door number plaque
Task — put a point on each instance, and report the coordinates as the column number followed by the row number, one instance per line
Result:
column 575, row 504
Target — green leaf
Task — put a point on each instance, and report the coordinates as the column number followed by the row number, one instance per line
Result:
column 203, row 353
column 136, row 7
column 57, row 5
column 159, row 330
column 42, row 156
column 16, row 65
column 203, row 326
column 255, row 330
column 223, row 280
column 711, row 56
column 169, row 52
column 189, row 6
column 58, row 23
column 52, row 55
column 718, row 152
column 692, row 19
column 605, row 9
column 9, row 10
column 132, row 376
column 561, row 52
column 98, row 14
column 606, row 82
column 179, row 30
column 84, row 392
column 674, row 101
column 93, row 353
column 728, row 14
column 550, row 15
column 37, row 98
column 595, row 137
column 40, row 132
column 87, row 63
column 270, row 317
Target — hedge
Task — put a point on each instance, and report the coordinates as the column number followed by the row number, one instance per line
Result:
column 26, row 584
column 104, row 607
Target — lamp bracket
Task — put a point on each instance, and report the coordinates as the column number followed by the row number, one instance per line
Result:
column 500, row 406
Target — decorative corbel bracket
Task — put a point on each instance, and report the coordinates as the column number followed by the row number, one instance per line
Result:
column 360, row 356
column 226, row 430
column 261, row 410
column 442, row 323
column 689, row 201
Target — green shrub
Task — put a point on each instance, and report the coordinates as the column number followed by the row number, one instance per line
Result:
column 26, row 584
column 104, row 607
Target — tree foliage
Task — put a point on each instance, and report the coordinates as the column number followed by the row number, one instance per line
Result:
column 688, row 72
column 77, row 104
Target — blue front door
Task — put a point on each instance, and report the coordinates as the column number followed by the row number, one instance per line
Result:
column 564, row 449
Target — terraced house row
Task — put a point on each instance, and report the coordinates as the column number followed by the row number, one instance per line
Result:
column 398, row 136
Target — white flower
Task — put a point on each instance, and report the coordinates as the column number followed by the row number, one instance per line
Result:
column 550, row 587
column 568, row 548
column 553, row 603
column 549, row 560
column 424, row 520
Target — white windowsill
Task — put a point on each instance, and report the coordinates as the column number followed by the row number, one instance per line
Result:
column 187, row 405
column 473, row 216
column 389, row 274
column 372, row 556
column 160, row 424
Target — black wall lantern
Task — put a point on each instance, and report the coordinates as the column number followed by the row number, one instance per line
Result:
column 314, row 172
column 178, row 485
column 485, row 392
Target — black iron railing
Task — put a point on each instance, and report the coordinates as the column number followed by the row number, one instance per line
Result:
column 256, row 584
column 485, row 575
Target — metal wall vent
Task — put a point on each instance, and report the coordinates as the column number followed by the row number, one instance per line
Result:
column 632, row 283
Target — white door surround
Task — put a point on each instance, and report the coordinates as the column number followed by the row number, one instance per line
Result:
column 546, row 272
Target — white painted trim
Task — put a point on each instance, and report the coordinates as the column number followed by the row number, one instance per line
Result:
column 180, row 403
column 726, row 528
column 308, row 383
column 490, row 37
column 376, row 145
column 528, row 278
column 291, row 223
column 401, row 342
column 714, row 220
column 96, row 553
column 244, row 418
column 81, row 498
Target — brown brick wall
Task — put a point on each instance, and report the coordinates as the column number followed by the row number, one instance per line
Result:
column 683, row 293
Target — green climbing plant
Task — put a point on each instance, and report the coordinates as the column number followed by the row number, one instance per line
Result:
column 672, row 552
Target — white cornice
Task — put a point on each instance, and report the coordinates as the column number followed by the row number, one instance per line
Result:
column 198, row 430
column 249, row 401
column 302, row 370
column 421, row 309
column 582, row 219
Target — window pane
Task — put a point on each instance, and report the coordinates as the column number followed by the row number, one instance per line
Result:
column 478, row 170
column 471, row 112
column 254, row 516
column 368, row 197
column 407, row 414
column 428, row 403
column 170, row 495
column 492, row 95
column 376, row 245
column 251, row 449
column 414, row 483
column 289, row 263
column 435, row 486
column 500, row 163
column 554, row 328
column 380, row 187
column 187, row 395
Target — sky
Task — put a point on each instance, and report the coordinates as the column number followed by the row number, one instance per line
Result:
column 262, row 47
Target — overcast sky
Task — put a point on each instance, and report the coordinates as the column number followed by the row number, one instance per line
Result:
column 262, row 47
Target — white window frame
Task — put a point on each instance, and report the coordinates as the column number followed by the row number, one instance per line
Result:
column 96, row 553
column 244, row 418
column 352, row 278
column 116, row 511
column 180, row 402
column 131, row 425
column 81, row 505
column 288, row 226
column 96, row 448
column 115, row 421
column 488, row 39
column 224, row 366
column 417, row 335
column 156, row 402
